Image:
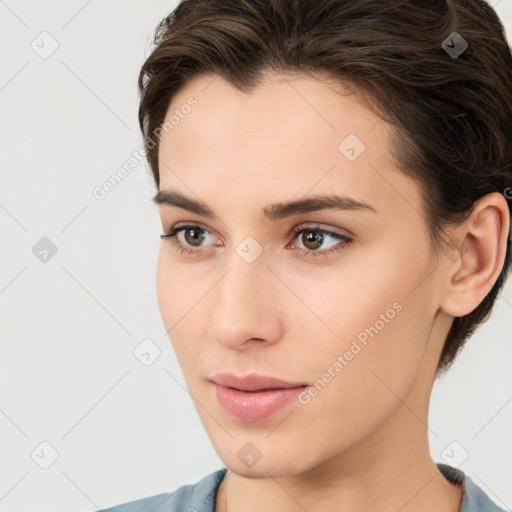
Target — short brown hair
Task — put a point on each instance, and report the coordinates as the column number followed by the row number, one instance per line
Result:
column 452, row 114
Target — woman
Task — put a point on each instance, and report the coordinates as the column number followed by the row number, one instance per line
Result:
column 333, row 180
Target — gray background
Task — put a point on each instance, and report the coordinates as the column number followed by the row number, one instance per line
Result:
column 69, row 377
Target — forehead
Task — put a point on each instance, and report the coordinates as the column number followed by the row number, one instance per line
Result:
column 291, row 134
column 293, row 104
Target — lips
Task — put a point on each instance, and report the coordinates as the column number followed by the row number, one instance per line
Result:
column 253, row 397
column 253, row 382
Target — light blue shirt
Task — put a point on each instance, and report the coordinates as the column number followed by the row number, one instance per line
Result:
column 200, row 497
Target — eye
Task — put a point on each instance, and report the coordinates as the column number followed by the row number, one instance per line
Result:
column 312, row 238
column 192, row 234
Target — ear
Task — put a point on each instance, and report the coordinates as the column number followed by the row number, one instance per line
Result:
column 475, row 256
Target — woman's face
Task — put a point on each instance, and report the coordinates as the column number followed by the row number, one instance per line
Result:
column 344, row 305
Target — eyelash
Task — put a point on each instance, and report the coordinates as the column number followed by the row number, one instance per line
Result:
column 344, row 240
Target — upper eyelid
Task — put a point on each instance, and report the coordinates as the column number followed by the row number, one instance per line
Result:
column 178, row 226
column 333, row 231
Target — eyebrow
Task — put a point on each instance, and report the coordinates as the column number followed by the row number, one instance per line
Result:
column 272, row 212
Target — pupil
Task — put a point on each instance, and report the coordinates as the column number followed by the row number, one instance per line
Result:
column 314, row 236
column 194, row 238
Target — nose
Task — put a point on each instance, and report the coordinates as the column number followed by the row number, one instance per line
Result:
column 246, row 308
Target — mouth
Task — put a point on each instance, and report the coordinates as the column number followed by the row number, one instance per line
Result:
column 254, row 397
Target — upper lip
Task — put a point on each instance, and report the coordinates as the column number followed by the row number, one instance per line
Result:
column 253, row 382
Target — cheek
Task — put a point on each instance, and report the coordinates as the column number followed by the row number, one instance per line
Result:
column 177, row 294
column 166, row 289
column 178, row 288
column 372, row 314
column 362, row 375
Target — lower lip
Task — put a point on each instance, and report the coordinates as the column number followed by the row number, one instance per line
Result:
column 254, row 406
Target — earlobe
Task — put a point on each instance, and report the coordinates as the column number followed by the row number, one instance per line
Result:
column 480, row 255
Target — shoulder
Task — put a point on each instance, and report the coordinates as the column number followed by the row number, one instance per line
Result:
column 188, row 498
column 474, row 499
column 200, row 497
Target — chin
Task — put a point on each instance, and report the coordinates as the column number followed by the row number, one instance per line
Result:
column 261, row 470
column 278, row 463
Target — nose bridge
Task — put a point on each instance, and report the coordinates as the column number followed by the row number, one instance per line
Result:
column 243, row 308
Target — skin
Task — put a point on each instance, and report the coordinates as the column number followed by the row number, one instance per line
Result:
column 361, row 443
